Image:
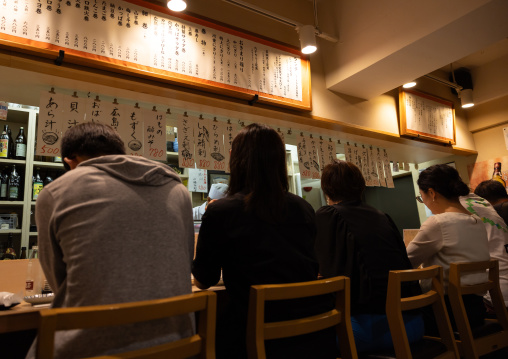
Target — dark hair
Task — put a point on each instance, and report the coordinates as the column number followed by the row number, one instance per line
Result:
column 342, row 180
column 258, row 169
column 443, row 179
column 491, row 190
column 92, row 140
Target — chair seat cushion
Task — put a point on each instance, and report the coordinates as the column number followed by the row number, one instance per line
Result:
column 423, row 349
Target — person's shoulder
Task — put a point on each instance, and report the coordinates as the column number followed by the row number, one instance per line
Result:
column 293, row 199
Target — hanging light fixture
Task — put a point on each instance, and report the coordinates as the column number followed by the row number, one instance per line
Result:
column 307, row 39
column 177, row 5
column 466, row 98
column 409, row 85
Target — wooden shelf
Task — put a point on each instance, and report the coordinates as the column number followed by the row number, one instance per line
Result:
column 32, row 233
column 58, row 165
column 11, row 203
column 9, row 161
column 7, row 231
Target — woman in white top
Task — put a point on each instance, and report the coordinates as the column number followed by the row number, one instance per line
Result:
column 452, row 235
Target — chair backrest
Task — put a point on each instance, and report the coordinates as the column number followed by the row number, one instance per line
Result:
column 202, row 343
column 258, row 331
column 395, row 305
column 470, row 344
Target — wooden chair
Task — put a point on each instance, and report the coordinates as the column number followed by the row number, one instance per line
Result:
column 428, row 347
column 258, row 331
column 202, row 343
column 491, row 336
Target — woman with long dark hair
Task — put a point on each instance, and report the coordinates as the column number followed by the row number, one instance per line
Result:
column 452, row 235
column 260, row 234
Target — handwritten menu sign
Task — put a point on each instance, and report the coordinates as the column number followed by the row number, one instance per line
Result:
column 197, row 180
column 217, row 145
column 155, row 135
column 304, row 158
column 314, row 161
column 73, row 111
column 131, row 130
column 229, row 136
column 373, row 167
column 388, row 171
column 380, row 169
column 186, row 125
column 348, row 152
column 202, row 138
column 49, row 130
column 426, row 116
column 147, row 39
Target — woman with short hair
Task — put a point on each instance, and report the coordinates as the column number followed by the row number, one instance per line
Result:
column 358, row 241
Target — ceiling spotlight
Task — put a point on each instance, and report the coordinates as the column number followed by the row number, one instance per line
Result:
column 177, row 5
column 307, row 39
column 466, row 98
column 409, row 85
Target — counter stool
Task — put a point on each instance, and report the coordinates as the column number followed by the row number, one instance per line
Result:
column 493, row 334
column 258, row 331
column 428, row 347
column 202, row 343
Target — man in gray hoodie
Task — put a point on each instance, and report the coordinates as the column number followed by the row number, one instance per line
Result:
column 116, row 228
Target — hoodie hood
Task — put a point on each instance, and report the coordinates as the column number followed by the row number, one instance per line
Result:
column 133, row 169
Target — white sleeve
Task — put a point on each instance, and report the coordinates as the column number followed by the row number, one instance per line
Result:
column 427, row 242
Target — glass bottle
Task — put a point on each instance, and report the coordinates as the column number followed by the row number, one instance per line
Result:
column 33, row 283
column 11, row 143
column 9, row 252
column 48, row 179
column 4, row 145
column 13, row 189
column 23, row 253
column 37, row 184
column 20, row 152
column 4, row 182
column 497, row 175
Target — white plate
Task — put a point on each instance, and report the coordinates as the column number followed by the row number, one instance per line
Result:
column 39, row 298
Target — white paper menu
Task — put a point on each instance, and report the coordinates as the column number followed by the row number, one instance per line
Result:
column 127, row 34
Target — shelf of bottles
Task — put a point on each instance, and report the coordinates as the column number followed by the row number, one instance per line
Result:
column 15, row 157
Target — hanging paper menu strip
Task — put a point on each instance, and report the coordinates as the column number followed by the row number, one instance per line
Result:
column 217, row 145
column 131, row 130
column 95, row 110
column 388, row 171
column 372, row 167
column 49, row 131
column 229, row 136
column 155, row 135
column 313, row 158
column 348, row 152
column 197, row 180
column 202, row 138
column 186, row 125
column 304, row 157
column 380, row 169
column 73, row 111
column 364, row 156
column 323, row 153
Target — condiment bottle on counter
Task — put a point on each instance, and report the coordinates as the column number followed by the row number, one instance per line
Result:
column 9, row 252
column 33, row 283
column 23, row 253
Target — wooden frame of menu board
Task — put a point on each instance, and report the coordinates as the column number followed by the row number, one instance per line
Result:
column 426, row 116
column 284, row 81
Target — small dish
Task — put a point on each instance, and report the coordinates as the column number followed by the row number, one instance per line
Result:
column 39, row 298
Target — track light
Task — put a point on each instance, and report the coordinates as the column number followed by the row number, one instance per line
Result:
column 466, row 98
column 177, row 5
column 307, row 39
column 409, row 85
